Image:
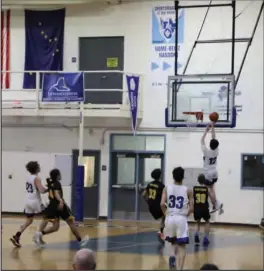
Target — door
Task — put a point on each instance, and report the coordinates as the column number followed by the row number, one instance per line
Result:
column 147, row 163
column 91, row 163
column 123, row 186
column 100, row 54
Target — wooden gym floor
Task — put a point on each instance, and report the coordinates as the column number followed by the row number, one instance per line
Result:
column 129, row 246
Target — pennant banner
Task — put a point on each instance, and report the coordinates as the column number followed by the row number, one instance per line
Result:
column 133, row 87
column 63, row 87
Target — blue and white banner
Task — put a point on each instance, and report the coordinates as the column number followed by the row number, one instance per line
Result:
column 63, row 87
column 133, row 88
column 163, row 42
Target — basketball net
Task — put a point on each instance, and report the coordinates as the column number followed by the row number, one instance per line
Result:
column 193, row 118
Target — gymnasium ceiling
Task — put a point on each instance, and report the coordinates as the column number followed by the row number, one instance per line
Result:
column 21, row 4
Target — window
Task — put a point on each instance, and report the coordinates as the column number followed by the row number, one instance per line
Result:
column 253, row 171
column 139, row 142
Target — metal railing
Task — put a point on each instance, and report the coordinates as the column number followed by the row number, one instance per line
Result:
column 18, row 98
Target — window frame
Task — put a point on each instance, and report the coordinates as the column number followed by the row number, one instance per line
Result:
column 242, row 185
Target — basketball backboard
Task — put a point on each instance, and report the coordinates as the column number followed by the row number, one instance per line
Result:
column 191, row 98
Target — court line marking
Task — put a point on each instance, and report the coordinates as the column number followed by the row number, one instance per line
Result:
column 134, row 245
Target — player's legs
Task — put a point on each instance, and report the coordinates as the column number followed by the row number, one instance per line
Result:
column 157, row 214
column 197, row 231
column 182, row 240
column 217, row 205
column 32, row 207
column 15, row 239
column 66, row 215
column 210, row 180
column 171, row 237
column 181, row 256
column 50, row 215
column 209, row 177
column 38, row 236
column 197, row 217
column 162, row 224
column 205, row 215
column 176, row 231
column 206, row 233
column 48, row 230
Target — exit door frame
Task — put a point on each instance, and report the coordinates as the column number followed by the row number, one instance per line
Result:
column 75, row 152
column 136, row 153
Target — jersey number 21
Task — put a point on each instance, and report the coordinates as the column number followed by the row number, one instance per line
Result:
column 176, row 202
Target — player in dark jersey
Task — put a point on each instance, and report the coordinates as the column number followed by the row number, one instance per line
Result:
column 201, row 209
column 57, row 209
column 152, row 196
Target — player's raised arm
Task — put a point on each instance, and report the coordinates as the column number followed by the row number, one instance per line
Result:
column 203, row 138
column 39, row 186
column 163, row 200
column 213, row 130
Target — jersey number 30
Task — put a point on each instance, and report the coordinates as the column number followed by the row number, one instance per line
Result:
column 176, row 202
column 29, row 187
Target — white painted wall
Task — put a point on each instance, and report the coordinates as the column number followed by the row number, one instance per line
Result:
column 134, row 22
column 239, row 203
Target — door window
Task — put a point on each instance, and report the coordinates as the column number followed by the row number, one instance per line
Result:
column 89, row 170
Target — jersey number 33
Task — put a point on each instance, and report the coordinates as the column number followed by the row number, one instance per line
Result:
column 175, row 202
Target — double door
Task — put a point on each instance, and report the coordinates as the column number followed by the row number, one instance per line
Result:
column 130, row 174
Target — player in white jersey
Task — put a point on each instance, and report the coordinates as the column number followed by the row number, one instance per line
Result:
column 179, row 201
column 33, row 201
column 210, row 156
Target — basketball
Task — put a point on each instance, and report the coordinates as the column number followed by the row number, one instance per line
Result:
column 214, row 117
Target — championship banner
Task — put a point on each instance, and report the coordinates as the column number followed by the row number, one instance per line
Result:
column 163, row 42
column 133, row 87
column 79, row 193
column 63, row 87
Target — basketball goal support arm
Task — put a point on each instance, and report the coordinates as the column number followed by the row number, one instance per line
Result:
column 176, row 6
column 233, row 40
column 248, row 45
column 196, row 41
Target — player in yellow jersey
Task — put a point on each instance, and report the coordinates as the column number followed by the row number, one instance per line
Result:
column 152, row 196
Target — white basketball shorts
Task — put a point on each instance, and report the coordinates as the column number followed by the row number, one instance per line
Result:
column 33, row 207
column 176, row 229
column 211, row 175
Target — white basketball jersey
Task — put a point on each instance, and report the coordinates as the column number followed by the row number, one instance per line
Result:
column 210, row 158
column 31, row 189
column 177, row 200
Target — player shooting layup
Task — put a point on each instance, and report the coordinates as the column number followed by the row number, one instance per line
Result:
column 210, row 156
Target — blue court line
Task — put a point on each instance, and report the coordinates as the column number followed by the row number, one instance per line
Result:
column 144, row 243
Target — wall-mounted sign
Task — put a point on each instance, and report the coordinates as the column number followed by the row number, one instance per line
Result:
column 112, row 62
column 74, row 59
